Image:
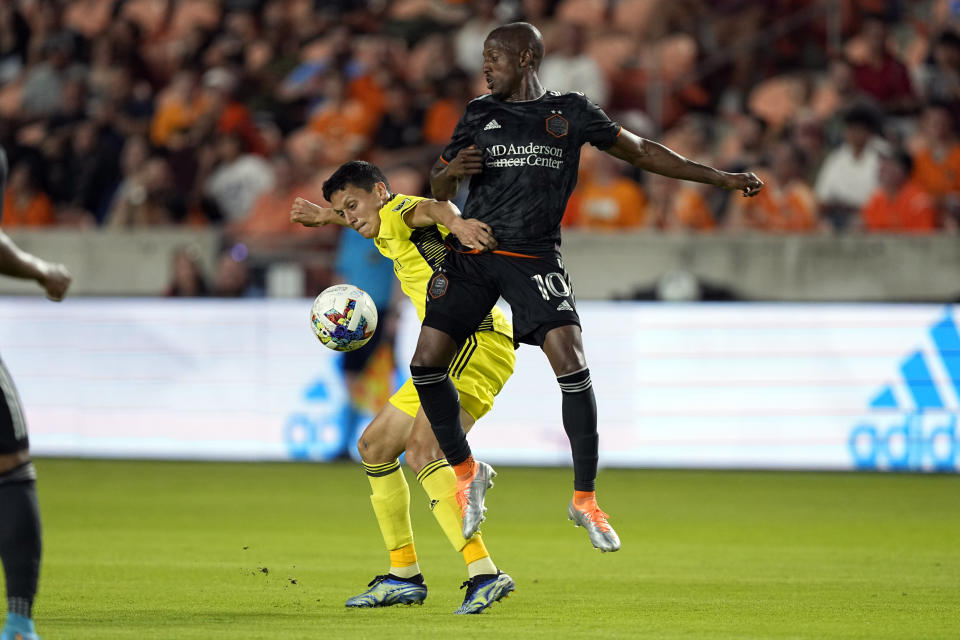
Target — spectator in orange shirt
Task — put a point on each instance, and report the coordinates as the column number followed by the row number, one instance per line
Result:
column 674, row 206
column 443, row 113
column 899, row 204
column 24, row 203
column 936, row 166
column 786, row 204
column 179, row 107
column 342, row 120
column 231, row 115
column 606, row 199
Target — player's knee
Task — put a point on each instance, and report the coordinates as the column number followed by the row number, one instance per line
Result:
column 567, row 361
column 374, row 450
column 564, row 349
column 427, row 356
column 434, row 349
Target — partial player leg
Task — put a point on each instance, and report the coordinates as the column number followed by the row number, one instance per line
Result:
column 20, row 538
column 20, row 546
column 380, row 445
column 441, row 404
column 485, row 584
column 564, row 349
column 459, row 297
column 438, row 397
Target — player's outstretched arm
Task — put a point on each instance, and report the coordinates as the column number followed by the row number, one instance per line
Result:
column 313, row 215
column 652, row 156
column 14, row 261
column 472, row 233
column 446, row 178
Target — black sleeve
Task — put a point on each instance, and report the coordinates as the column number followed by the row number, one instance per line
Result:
column 462, row 137
column 598, row 129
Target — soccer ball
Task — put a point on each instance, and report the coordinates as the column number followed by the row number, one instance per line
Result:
column 343, row 317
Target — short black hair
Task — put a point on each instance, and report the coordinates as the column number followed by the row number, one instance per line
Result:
column 863, row 115
column 948, row 39
column 948, row 108
column 902, row 158
column 357, row 173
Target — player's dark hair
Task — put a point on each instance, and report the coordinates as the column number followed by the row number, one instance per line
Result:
column 357, row 173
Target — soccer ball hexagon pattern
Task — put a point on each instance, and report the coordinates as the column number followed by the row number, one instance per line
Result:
column 343, row 317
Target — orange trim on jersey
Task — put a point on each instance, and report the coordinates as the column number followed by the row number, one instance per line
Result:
column 511, row 254
column 443, row 161
column 515, row 255
column 619, row 131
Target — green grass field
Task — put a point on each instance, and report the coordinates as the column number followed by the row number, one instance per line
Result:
column 199, row 550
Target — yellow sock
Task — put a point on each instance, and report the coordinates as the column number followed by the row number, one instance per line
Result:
column 403, row 562
column 391, row 504
column 404, row 556
column 440, row 483
column 477, row 557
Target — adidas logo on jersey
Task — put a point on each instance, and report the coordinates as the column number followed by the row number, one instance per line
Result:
column 493, row 124
column 564, row 306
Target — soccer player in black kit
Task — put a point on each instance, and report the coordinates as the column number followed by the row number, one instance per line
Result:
column 520, row 147
column 19, row 511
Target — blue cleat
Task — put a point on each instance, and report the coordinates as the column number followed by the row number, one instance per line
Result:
column 18, row 628
column 388, row 590
column 484, row 590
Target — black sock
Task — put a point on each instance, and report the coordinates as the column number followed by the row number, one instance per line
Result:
column 580, row 423
column 20, row 542
column 441, row 405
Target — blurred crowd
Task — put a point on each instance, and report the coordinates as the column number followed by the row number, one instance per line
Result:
column 143, row 113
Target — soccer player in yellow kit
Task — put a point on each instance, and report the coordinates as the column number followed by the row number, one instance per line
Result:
column 410, row 230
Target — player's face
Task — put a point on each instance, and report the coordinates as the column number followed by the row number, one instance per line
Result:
column 360, row 208
column 501, row 68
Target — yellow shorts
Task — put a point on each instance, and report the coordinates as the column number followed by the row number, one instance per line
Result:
column 479, row 371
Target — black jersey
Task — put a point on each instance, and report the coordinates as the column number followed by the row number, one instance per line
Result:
column 531, row 154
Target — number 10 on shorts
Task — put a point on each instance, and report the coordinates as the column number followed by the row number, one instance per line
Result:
column 554, row 283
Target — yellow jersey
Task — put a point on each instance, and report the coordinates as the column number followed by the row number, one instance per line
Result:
column 417, row 253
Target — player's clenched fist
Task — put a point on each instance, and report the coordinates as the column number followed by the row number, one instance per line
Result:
column 747, row 183
column 55, row 279
column 310, row 215
column 468, row 162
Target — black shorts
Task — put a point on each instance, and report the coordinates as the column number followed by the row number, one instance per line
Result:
column 13, row 428
column 537, row 288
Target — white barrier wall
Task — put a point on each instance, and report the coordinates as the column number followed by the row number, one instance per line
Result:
column 727, row 385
